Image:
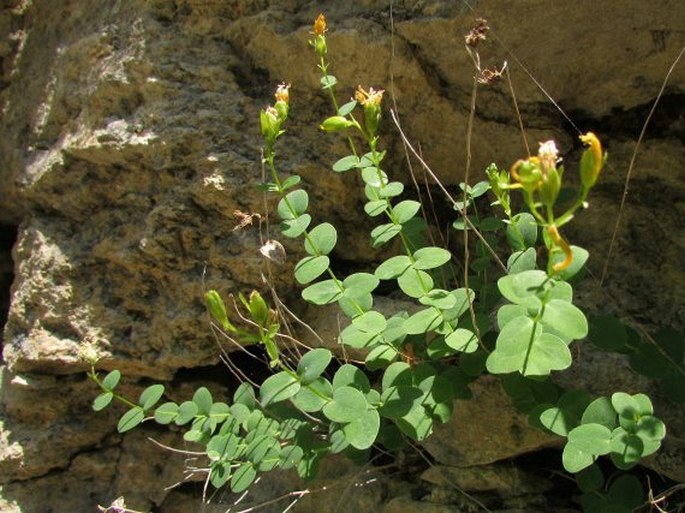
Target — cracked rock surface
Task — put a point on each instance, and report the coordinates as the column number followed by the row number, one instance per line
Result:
column 130, row 137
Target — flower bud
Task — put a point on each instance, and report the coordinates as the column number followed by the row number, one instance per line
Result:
column 282, row 96
column 550, row 187
column 371, row 103
column 527, row 173
column 336, row 123
column 591, row 161
column 270, row 123
column 319, row 41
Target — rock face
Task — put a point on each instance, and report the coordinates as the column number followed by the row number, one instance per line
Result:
column 130, row 138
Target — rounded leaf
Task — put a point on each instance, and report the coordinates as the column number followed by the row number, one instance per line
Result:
column 346, row 163
column 591, row 438
column 323, row 293
column 203, row 399
column 462, row 340
column 423, row 321
column 111, row 380
column 405, row 210
column 130, row 419
column 383, row 233
column 566, row 319
column 150, row 396
column 522, row 232
column 295, row 227
column 186, row 412
column 278, row 387
column 415, row 283
column 322, row 239
column 431, row 258
column 312, row 364
column 313, row 397
column 393, row 267
column 349, row 375
column 243, row 477
column 310, row 268
column 166, row 413
column 102, row 401
column 347, row 405
column 363, row 431
column 293, row 205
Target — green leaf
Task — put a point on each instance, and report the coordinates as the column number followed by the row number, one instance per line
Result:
column 222, row 447
column 380, row 356
column 322, row 239
column 130, row 419
column 375, row 207
column 600, row 411
column 243, row 477
column 490, row 224
column 244, row 394
column 399, row 400
column 102, row 401
column 522, row 233
column 312, row 364
column 608, row 333
column 323, row 293
column 590, row 479
column 520, row 261
column 525, row 288
column 313, row 397
column 627, row 491
column 565, row 319
column 352, row 306
column 397, row 374
column 327, row 81
column 346, row 108
column 626, row 405
column 347, row 405
column 374, row 177
column 439, row 298
column 405, row 210
column 591, row 438
column 219, row 474
column 111, row 380
column 391, row 190
column 186, row 412
column 626, row 448
column 293, row 205
column 423, row 321
column 363, row 430
column 575, row 459
column 431, row 258
column 290, row 456
column 295, row 227
column 278, row 387
column 150, row 396
column 651, row 431
column 310, row 268
column 580, row 256
column 462, row 305
column 203, row 399
column 508, row 313
column 383, row 233
column 359, row 284
column 290, row 182
column 479, row 189
column 393, row 267
column 521, row 346
column 346, row 163
column 349, row 375
column 166, row 413
column 415, row 283
column 462, row 340
column 217, row 309
column 566, row 415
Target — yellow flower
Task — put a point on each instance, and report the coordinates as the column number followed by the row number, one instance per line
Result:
column 319, row 25
column 282, row 93
column 372, row 98
column 592, row 160
column 563, row 245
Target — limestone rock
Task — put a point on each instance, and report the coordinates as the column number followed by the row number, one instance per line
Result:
column 485, row 429
column 130, row 138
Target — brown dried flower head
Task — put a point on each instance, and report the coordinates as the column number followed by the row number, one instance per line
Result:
column 477, row 33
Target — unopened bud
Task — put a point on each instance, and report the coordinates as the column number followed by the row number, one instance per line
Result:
column 336, row 123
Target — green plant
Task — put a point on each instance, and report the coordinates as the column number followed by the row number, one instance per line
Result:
column 306, row 409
